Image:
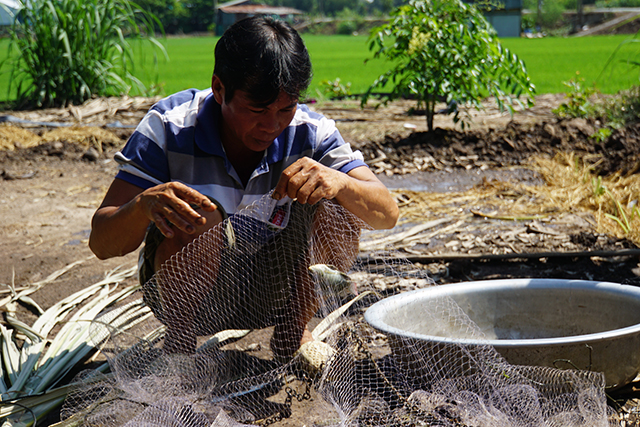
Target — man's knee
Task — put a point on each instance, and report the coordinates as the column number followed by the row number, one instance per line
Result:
column 336, row 238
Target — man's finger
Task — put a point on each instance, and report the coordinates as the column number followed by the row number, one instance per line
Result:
column 163, row 226
column 207, row 205
column 281, row 188
column 184, row 209
column 190, row 195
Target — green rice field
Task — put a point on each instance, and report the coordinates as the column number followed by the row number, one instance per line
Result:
column 550, row 62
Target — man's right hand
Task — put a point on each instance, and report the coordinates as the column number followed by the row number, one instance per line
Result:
column 170, row 205
column 120, row 223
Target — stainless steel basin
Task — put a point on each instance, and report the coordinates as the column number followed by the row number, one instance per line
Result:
column 571, row 324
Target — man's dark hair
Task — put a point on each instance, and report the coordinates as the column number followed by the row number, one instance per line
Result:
column 262, row 56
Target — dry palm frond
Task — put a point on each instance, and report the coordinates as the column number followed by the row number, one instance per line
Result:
column 30, row 372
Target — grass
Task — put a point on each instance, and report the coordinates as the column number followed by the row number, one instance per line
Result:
column 191, row 62
column 550, row 61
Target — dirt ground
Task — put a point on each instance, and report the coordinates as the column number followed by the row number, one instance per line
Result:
column 52, row 178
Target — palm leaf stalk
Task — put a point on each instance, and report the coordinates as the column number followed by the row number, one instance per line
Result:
column 29, row 374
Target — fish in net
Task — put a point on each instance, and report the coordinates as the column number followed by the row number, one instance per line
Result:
column 231, row 308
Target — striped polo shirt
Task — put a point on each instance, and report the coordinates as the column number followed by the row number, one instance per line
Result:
column 178, row 140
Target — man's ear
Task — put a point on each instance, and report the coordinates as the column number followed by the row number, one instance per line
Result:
column 217, row 88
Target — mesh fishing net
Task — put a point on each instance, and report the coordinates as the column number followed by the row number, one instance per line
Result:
column 230, row 313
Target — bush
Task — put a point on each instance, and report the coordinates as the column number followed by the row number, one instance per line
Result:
column 528, row 22
column 578, row 102
column 551, row 13
column 551, row 16
column 623, row 108
column 199, row 16
column 171, row 13
column 335, row 89
column 346, row 28
column 612, row 112
column 444, row 50
column 620, row 110
column 70, row 50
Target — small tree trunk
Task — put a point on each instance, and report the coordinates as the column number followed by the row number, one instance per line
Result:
column 215, row 15
column 580, row 15
column 539, row 16
column 429, row 110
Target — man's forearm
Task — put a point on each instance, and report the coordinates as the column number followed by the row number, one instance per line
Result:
column 116, row 231
column 367, row 198
column 370, row 202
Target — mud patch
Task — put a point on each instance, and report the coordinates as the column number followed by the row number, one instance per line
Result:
column 447, row 149
column 457, row 180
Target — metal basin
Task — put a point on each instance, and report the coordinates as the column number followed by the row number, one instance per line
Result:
column 573, row 324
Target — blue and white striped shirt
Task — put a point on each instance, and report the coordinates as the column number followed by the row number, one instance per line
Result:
column 178, row 140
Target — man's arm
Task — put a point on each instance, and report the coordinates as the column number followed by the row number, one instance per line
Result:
column 120, row 223
column 358, row 191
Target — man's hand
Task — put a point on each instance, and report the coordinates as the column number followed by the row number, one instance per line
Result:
column 359, row 191
column 120, row 223
column 308, row 181
column 170, row 204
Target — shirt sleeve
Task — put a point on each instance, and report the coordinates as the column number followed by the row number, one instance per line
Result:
column 331, row 149
column 143, row 160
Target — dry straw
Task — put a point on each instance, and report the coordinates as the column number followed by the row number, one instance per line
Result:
column 570, row 185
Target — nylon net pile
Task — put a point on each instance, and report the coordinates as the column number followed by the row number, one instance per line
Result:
column 230, row 308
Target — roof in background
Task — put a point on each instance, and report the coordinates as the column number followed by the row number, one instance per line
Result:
column 249, row 7
column 260, row 9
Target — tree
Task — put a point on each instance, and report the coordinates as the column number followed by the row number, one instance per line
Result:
column 200, row 16
column 66, row 51
column 170, row 13
column 444, row 50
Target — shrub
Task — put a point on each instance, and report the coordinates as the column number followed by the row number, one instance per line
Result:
column 620, row 110
column 70, row 50
column 172, row 14
column 334, row 89
column 613, row 112
column 346, row 27
column 578, row 102
column 445, row 50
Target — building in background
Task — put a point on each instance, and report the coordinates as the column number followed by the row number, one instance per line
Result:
column 508, row 20
column 235, row 10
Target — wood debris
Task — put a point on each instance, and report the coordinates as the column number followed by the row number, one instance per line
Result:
column 124, row 111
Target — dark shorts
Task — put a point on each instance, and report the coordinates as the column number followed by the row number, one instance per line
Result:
column 256, row 277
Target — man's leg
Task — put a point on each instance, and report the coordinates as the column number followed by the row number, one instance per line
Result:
column 333, row 239
column 291, row 331
column 176, row 296
column 273, row 283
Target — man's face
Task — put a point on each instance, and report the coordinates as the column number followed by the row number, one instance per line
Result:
column 250, row 125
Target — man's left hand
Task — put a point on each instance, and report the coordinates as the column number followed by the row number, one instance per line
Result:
column 308, row 181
